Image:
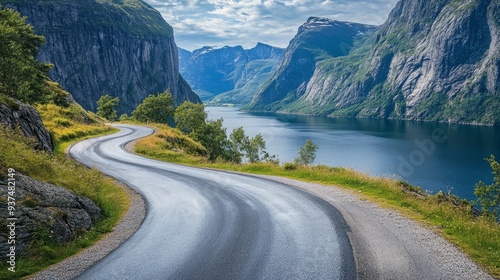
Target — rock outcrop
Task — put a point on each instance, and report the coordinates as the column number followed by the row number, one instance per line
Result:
column 14, row 114
column 48, row 210
column 228, row 74
column 431, row 61
column 121, row 48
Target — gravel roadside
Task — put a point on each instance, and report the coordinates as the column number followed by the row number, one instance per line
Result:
column 419, row 250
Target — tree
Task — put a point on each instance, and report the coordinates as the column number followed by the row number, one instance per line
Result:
column 307, row 153
column 190, row 117
column 237, row 141
column 488, row 196
column 156, row 109
column 255, row 149
column 212, row 136
column 106, row 107
column 21, row 75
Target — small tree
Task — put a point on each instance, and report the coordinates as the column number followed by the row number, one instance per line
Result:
column 155, row 108
column 106, row 107
column 255, row 148
column 307, row 153
column 488, row 197
column 212, row 136
column 190, row 118
column 237, row 141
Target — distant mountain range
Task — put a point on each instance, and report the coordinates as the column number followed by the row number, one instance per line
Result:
column 229, row 74
column 431, row 60
column 121, row 48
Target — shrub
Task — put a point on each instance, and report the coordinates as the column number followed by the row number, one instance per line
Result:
column 289, row 166
column 488, row 196
column 307, row 153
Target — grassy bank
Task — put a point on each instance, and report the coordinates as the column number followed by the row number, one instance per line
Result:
column 447, row 215
column 66, row 125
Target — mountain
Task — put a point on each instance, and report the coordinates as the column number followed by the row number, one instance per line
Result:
column 431, row 61
column 318, row 39
column 228, row 74
column 119, row 47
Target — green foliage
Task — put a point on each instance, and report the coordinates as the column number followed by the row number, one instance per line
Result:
column 157, row 109
column 106, row 107
column 237, row 139
column 488, row 196
column 21, row 75
column 288, row 166
column 213, row 137
column 124, row 118
column 307, row 153
column 255, row 149
column 242, row 146
column 190, row 117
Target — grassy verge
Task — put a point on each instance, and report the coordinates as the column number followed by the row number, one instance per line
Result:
column 448, row 216
column 66, row 125
column 71, row 124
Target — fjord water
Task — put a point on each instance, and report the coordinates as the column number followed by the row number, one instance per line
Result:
column 435, row 156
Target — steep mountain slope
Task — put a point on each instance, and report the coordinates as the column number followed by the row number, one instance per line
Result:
column 431, row 60
column 318, row 39
column 228, row 74
column 118, row 47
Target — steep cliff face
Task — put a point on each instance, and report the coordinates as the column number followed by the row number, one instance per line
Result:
column 318, row 39
column 228, row 74
column 431, row 60
column 122, row 48
column 14, row 114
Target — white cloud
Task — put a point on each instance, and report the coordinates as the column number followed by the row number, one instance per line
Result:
column 245, row 22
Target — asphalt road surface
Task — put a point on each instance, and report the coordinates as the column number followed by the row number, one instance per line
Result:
column 204, row 224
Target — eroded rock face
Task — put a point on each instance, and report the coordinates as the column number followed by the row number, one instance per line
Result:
column 45, row 210
column 15, row 114
column 121, row 48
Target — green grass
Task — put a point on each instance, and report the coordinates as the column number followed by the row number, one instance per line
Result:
column 67, row 125
column 448, row 216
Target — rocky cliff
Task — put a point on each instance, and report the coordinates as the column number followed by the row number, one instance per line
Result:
column 119, row 47
column 14, row 114
column 60, row 212
column 228, row 74
column 431, row 60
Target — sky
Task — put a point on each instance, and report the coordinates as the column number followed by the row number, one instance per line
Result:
column 199, row 23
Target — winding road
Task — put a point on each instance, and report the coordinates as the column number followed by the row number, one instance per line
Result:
column 206, row 224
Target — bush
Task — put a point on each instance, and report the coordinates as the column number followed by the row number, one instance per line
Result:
column 488, row 196
column 290, row 166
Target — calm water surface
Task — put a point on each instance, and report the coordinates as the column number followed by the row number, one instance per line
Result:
column 433, row 156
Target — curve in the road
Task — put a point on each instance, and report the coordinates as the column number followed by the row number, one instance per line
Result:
column 205, row 224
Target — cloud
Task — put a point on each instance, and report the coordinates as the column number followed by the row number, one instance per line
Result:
column 200, row 23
